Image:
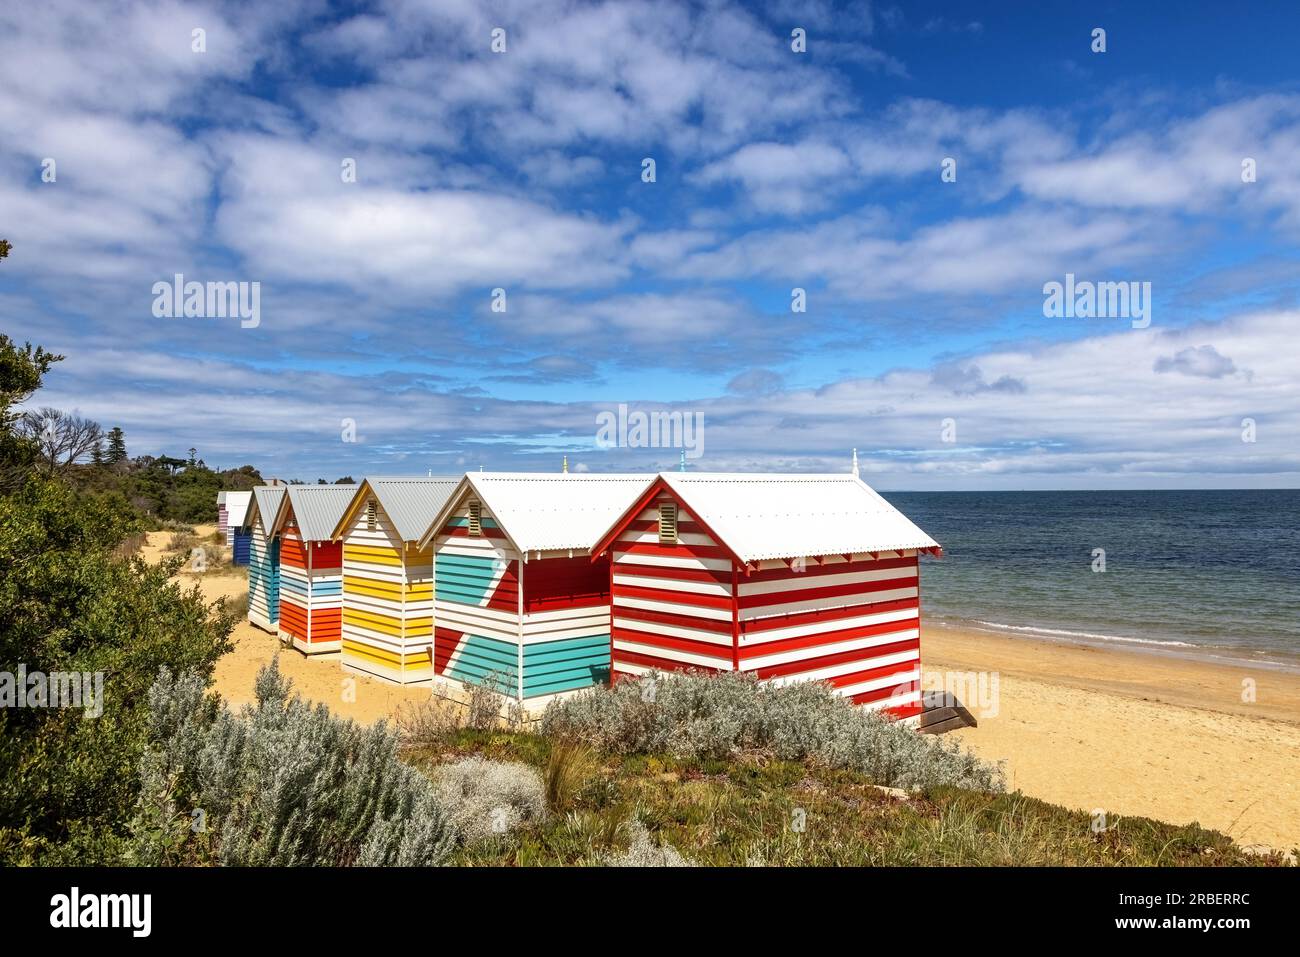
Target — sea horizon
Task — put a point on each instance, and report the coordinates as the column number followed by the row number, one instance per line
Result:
column 1187, row 572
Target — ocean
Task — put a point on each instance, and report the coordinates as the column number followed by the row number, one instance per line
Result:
column 1193, row 572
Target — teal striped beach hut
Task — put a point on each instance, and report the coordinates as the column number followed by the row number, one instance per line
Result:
column 518, row 602
column 264, row 557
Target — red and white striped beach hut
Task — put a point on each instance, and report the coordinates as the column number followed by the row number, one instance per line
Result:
column 790, row 577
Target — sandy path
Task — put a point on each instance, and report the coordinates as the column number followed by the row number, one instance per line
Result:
column 1138, row 734
column 318, row 678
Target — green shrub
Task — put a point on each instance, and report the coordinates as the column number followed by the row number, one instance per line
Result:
column 714, row 717
column 280, row 783
column 67, row 782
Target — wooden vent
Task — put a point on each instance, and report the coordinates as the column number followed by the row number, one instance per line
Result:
column 370, row 515
column 667, row 523
column 476, row 518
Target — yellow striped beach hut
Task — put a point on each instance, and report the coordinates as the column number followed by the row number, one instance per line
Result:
column 387, row 629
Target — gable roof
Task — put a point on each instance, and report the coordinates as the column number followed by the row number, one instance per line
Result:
column 265, row 505
column 759, row 516
column 237, row 508
column 540, row 511
column 410, row 502
column 316, row 508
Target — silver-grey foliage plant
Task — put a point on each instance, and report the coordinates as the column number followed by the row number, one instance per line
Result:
column 642, row 851
column 694, row 715
column 486, row 798
column 279, row 783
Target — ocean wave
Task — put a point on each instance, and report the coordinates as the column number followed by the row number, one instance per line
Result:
column 1094, row 636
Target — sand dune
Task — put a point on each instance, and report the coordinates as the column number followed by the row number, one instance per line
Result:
column 317, row 679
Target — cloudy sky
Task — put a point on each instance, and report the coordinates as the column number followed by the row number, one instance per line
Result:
column 128, row 156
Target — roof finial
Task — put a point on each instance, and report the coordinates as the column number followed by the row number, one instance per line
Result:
column 681, row 462
column 566, row 465
column 855, row 463
column 430, row 473
column 480, row 468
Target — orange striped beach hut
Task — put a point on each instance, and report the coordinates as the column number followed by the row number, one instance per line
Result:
column 311, row 566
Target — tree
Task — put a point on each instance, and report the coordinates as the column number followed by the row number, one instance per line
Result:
column 61, row 438
column 193, row 457
column 4, row 248
column 116, row 446
column 69, row 604
column 21, row 369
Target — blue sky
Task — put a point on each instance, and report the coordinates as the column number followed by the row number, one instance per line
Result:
column 924, row 343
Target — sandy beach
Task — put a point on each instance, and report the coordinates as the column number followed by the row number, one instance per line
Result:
column 1127, row 732
column 318, row 678
column 1134, row 733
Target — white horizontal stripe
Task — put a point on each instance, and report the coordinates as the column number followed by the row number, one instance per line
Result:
column 898, row 680
column 890, row 702
column 378, row 606
column 847, row 668
column 671, row 561
column 819, row 604
column 797, row 582
column 673, row 631
column 561, row 634
column 651, row 514
column 455, row 610
column 545, row 625
column 559, row 614
column 717, row 614
column 673, row 584
column 820, row 651
column 627, row 667
column 813, row 628
column 672, row 654
column 651, row 537
column 384, row 573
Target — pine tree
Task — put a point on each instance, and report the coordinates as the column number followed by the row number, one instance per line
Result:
column 116, row 445
column 97, row 454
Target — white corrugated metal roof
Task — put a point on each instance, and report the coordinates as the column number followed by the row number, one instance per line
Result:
column 237, row 507
column 318, row 508
column 265, row 505
column 547, row 511
column 411, row 502
column 762, row 516
column 221, row 498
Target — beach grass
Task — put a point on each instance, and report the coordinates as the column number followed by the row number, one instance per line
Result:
column 753, row 810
